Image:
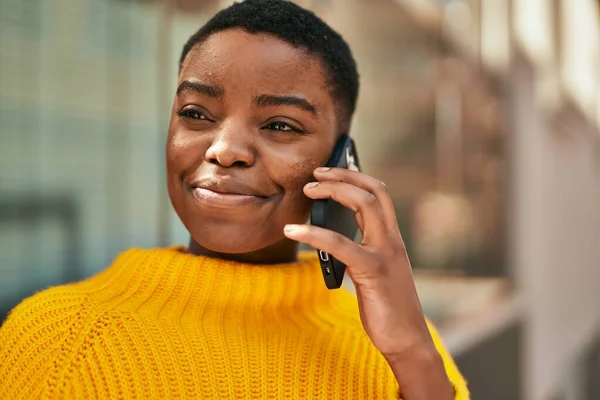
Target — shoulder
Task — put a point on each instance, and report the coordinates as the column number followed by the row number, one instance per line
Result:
column 45, row 312
column 36, row 335
column 42, row 334
column 59, row 309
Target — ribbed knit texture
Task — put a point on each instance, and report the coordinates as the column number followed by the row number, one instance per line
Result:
column 163, row 324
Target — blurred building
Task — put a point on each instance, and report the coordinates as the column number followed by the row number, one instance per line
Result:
column 480, row 115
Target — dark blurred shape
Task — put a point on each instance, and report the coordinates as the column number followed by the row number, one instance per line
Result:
column 31, row 209
column 494, row 368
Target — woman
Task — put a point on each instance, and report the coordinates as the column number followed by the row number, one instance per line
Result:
column 265, row 89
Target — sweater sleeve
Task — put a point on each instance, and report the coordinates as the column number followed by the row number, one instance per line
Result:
column 458, row 382
column 34, row 342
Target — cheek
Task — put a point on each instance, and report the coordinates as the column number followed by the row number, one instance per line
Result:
column 295, row 205
column 298, row 174
column 293, row 170
column 182, row 153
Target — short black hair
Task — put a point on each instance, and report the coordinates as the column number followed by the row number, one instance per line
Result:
column 297, row 26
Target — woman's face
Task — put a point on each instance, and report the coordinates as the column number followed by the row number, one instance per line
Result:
column 252, row 118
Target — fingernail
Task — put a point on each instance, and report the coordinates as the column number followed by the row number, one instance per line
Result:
column 353, row 167
column 290, row 228
column 311, row 185
column 323, row 169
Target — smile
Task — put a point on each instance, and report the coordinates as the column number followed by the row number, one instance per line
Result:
column 214, row 198
column 225, row 193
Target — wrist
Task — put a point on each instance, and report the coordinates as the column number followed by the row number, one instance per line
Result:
column 421, row 374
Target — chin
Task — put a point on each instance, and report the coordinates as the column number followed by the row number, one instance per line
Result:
column 233, row 240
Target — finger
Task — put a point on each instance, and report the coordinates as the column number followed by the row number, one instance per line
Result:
column 363, row 203
column 339, row 246
column 365, row 182
column 361, row 223
column 353, row 167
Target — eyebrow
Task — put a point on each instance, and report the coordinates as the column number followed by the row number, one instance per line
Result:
column 266, row 100
column 197, row 87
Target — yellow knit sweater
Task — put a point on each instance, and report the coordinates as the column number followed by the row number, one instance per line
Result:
column 162, row 324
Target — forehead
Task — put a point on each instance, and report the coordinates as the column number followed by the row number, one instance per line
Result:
column 239, row 61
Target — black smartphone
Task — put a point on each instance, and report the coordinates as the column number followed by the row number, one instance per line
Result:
column 332, row 215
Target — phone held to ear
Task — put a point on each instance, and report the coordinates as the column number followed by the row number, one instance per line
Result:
column 333, row 216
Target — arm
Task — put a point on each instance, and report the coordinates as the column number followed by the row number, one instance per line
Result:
column 417, row 380
column 422, row 376
column 379, row 267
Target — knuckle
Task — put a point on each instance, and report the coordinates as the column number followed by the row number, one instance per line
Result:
column 381, row 187
column 332, row 189
column 395, row 242
column 369, row 199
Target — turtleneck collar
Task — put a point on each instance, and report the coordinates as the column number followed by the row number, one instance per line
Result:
column 172, row 278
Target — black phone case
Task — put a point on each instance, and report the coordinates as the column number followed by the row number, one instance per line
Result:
column 333, row 216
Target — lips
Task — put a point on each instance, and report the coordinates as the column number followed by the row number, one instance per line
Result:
column 227, row 187
column 226, row 194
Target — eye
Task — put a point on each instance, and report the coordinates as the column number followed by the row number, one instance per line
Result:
column 282, row 126
column 191, row 113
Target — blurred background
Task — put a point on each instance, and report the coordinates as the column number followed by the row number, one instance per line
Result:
column 482, row 116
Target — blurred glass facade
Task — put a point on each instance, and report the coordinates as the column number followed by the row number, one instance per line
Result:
column 80, row 138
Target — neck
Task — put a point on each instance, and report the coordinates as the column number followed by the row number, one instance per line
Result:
column 284, row 251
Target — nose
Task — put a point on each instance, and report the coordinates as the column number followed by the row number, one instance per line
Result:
column 231, row 147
